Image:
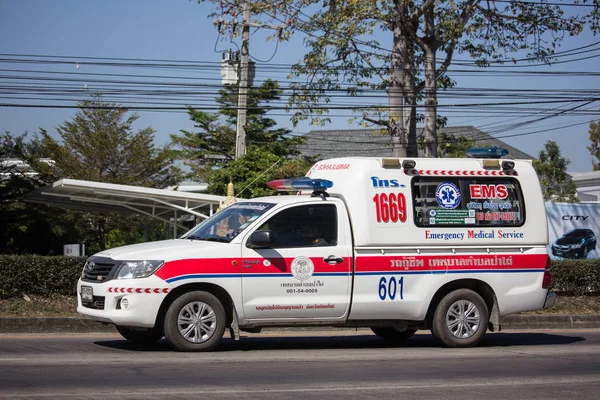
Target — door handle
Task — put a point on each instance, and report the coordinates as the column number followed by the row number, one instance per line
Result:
column 333, row 260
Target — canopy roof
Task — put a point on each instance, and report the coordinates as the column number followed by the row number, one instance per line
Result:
column 163, row 204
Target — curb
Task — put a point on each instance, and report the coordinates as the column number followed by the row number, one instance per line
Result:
column 551, row 321
column 52, row 325
column 82, row 325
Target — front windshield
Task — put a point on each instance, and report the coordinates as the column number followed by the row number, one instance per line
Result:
column 228, row 223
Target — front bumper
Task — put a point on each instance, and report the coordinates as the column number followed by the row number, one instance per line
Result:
column 130, row 302
column 550, row 300
column 568, row 253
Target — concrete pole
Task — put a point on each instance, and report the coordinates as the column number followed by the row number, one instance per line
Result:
column 240, row 140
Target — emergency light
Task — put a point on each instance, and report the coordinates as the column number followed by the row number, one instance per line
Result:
column 300, row 184
column 486, row 152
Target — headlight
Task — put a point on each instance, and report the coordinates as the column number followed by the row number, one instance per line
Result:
column 138, row 269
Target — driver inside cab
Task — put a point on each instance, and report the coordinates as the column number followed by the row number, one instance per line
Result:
column 312, row 235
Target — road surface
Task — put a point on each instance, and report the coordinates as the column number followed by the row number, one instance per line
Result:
column 298, row 365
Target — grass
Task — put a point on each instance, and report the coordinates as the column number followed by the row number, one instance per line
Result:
column 39, row 306
column 64, row 306
column 572, row 305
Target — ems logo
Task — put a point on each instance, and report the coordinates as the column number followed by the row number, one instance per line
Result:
column 447, row 195
column 266, row 263
column 302, row 268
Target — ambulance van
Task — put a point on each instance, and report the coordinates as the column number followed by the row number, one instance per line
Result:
column 395, row 245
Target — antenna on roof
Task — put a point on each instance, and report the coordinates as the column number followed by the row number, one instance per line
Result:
column 258, row 177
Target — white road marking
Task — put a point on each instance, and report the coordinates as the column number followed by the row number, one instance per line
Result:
column 552, row 381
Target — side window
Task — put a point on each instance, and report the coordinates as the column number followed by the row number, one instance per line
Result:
column 304, row 226
column 467, row 202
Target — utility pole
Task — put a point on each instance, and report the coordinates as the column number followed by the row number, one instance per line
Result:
column 243, row 71
column 240, row 137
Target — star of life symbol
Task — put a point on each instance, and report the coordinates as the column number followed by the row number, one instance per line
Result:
column 302, row 268
column 447, row 195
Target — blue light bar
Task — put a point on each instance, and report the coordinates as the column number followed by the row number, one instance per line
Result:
column 486, row 152
column 300, row 184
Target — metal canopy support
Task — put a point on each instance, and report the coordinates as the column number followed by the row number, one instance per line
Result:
column 105, row 197
column 172, row 205
column 175, row 223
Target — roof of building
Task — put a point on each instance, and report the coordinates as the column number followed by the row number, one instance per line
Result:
column 376, row 142
column 589, row 178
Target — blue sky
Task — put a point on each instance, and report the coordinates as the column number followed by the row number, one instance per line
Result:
column 180, row 30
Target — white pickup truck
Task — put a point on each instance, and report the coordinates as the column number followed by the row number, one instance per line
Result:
column 397, row 245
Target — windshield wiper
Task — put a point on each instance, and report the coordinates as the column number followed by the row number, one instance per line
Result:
column 217, row 239
column 209, row 238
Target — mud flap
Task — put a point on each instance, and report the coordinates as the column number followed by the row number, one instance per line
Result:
column 494, row 323
column 234, row 330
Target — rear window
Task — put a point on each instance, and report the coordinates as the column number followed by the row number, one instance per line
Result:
column 467, row 202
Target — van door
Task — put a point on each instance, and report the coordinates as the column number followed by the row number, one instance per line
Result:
column 306, row 272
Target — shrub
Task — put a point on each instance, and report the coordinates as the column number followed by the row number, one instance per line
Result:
column 576, row 277
column 39, row 275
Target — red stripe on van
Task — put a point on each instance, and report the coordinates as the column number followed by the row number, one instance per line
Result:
column 247, row 265
column 451, row 262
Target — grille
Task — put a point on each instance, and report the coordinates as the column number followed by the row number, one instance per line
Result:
column 97, row 304
column 102, row 271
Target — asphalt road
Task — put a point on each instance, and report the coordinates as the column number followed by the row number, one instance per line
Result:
column 513, row 365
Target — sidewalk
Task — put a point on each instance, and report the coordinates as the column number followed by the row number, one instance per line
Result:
column 81, row 325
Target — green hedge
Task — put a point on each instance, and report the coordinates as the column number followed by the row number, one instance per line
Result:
column 38, row 275
column 576, row 277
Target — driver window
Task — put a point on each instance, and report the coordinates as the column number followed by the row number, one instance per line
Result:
column 304, row 226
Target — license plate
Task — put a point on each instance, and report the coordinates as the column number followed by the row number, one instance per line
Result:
column 87, row 294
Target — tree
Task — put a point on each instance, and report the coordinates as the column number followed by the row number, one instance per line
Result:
column 25, row 227
column 343, row 54
column 594, row 147
column 251, row 173
column 211, row 150
column 450, row 146
column 99, row 144
column 552, row 171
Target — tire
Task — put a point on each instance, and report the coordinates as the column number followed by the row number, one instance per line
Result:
column 584, row 254
column 448, row 326
column 391, row 334
column 195, row 321
column 146, row 337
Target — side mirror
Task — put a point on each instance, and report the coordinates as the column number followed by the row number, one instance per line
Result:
column 261, row 239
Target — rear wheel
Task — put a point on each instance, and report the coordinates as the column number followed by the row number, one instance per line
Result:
column 144, row 336
column 195, row 321
column 391, row 334
column 461, row 319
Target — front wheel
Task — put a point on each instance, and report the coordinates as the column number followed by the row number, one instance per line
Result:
column 391, row 334
column 461, row 319
column 195, row 321
column 142, row 336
